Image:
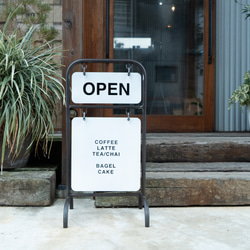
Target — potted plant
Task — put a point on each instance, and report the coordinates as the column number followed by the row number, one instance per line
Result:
column 30, row 87
column 242, row 95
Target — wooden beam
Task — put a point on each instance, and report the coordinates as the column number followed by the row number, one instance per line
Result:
column 73, row 49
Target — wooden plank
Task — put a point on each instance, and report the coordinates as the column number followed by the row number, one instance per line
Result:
column 94, row 38
column 198, row 167
column 209, row 70
column 84, row 36
column 198, row 151
column 175, row 123
column 73, row 50
column 189, row 189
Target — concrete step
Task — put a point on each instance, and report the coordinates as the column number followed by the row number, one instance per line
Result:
column 198, row 147
column 28, row 187
column 191, row 184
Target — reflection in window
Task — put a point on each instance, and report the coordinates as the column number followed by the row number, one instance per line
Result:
column 133, row 42
column 167, row 38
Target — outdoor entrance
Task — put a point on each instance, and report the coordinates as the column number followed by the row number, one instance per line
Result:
column 167, row 37
column 174, row 41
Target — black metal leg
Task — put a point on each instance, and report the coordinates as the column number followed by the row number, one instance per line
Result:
column 146, row 211
column 140, row 202
column 65, row 212
column 71, row 203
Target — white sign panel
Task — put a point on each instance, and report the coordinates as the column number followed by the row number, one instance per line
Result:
column 106, row 154
column 106, row 88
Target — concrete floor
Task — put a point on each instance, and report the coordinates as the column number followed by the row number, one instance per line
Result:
column 201, row 228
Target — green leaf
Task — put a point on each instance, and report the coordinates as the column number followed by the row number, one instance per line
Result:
column 30, row 88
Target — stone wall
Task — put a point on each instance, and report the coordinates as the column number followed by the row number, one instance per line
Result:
column 54, row 18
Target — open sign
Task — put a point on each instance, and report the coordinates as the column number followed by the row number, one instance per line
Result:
column 106, row 88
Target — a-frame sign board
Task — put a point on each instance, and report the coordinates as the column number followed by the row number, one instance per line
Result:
column 106, row 156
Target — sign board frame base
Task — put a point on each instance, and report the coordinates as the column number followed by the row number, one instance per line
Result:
column 142, row 201
column 69, row 203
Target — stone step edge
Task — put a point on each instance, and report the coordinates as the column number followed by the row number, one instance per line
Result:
column 164, row 189
column 198, row 167
column 27, row 188
column 198, row 151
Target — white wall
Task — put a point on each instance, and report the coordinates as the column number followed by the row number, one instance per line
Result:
column 232, row 61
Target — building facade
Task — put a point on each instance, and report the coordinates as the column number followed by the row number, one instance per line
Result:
column 194, row 51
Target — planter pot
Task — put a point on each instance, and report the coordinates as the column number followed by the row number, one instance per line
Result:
column 10, row 161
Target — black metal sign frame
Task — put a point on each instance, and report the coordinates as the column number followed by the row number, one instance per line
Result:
column 141, row 106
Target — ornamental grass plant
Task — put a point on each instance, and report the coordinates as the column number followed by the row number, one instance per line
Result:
column 30, row 88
